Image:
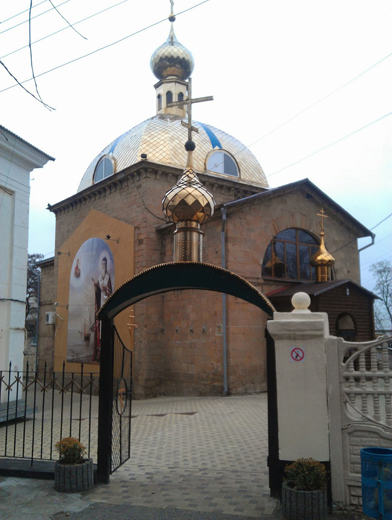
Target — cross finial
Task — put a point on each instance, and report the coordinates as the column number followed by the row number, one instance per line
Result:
column 171, row 6
column 188, row 102
column 323, row 216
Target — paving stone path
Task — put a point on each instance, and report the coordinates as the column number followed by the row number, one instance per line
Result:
column 192, row 458
column 198, row 454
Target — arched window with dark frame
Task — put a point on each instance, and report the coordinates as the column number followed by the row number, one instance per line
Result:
column 288, row 255
column 169, row 97
column 181, row 96
column 345, row 327
column 159, row 98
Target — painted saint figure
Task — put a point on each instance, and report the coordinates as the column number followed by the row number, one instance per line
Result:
column 103, row 289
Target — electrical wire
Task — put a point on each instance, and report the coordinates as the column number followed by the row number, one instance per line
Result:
column 321, row 99
column 105, row 46
column 21, row 12
column 330, row 144
column 311, row 106
column 66, row 21
column 33, row 17
column 383, row 220
column 351, row 241
column 63, row 29
column 24, row 88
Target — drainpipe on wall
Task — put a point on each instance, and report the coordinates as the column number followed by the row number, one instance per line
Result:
column 369, row 245
column 223, row 246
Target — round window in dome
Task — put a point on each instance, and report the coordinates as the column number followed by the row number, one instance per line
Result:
column 220, row 161
column 105, row 168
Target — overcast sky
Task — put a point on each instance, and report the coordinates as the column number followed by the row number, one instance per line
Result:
column 263, row 61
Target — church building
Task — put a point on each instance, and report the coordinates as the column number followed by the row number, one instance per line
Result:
column 281, row 240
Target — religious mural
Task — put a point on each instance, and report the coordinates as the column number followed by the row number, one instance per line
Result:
column 91, row 283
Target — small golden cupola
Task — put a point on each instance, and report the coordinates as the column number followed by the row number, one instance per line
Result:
column 188, row 205
column 322, row 260
column 172, row 64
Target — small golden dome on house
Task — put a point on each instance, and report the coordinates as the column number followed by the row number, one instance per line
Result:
column 322, row 257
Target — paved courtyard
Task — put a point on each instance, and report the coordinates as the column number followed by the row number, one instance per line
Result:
column 206, row 455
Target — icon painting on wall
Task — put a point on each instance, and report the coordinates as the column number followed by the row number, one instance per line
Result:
column 91, row 283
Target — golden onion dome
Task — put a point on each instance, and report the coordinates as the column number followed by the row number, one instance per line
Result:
column 172, row 59
column 322, row 257
column 188, row 200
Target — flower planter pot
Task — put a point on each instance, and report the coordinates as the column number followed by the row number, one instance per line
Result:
column 303, row 505
column 73, row 478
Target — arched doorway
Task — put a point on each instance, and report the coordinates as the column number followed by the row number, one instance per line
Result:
column 157, row 280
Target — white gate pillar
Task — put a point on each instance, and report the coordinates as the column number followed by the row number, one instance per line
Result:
column 301, row 379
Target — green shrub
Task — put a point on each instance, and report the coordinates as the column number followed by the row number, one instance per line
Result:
column 71, row 451
column 306, row 475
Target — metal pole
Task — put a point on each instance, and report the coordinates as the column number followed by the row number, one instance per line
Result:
column 37, row 324
column 224, row 305
column 105, row 403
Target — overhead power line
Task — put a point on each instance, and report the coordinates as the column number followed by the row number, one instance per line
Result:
column 321, row 99
column 105, row 46
column 21, row 12
column 351, row 241
column 64, row 28
column 330, row 144
column 383, row 220
column 311, row 106
column 33, row 17
column 65, row 20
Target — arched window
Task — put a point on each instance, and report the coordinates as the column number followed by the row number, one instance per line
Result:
column 180, row 96
column 169, row 97
column 222, row 162
column 288, row 255
column 104, row 168
column 159, row 98
column 345, row 327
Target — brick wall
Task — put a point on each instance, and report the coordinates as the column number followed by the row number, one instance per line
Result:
column 46, row 332
column 178, row 343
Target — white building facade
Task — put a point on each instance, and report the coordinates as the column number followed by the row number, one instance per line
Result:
column 18, row 159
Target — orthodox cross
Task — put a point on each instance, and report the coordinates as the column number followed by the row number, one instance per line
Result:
column 188, row 102
column 323, row 216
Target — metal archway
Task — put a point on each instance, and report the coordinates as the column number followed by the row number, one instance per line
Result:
column 179, row 276
column 157, row 280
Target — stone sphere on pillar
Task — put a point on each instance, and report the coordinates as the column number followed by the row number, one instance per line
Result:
column 300, row 302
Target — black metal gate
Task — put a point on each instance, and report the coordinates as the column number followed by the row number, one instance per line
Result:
column 122, row 403
column 115, row 403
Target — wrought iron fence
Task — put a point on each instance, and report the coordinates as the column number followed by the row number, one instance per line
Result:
column 122, row 403
column 37, row 409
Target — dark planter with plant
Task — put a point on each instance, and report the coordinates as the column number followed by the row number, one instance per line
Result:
column 304, row 492
column 72, row 473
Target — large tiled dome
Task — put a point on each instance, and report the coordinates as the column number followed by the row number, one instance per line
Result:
column 162, row 139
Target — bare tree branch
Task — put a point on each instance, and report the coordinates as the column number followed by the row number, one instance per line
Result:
column 382, row 272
